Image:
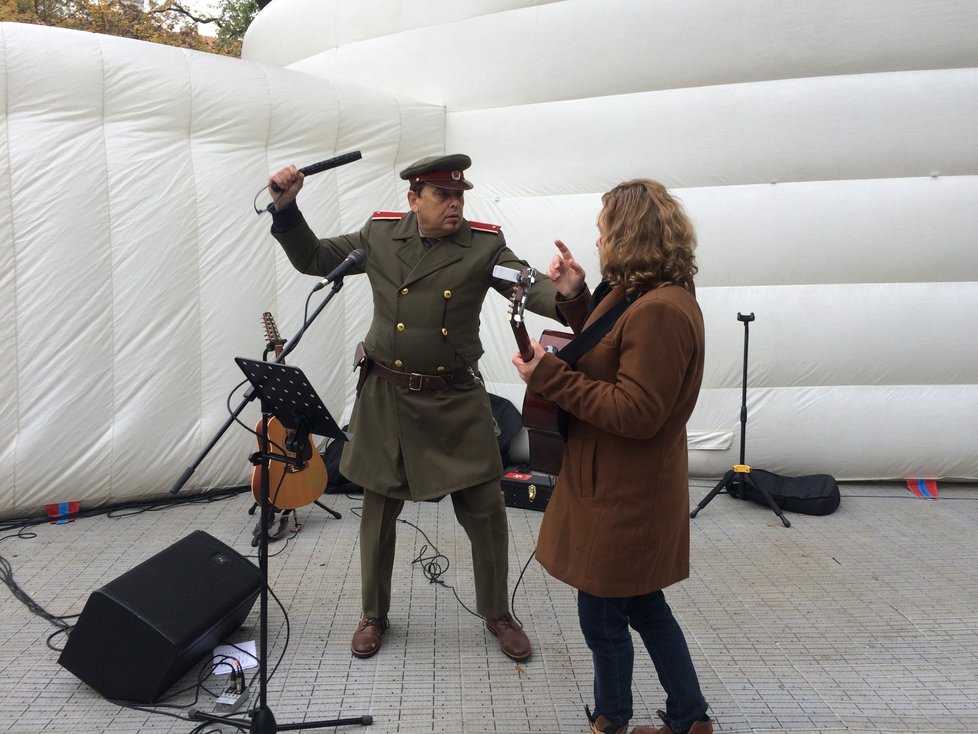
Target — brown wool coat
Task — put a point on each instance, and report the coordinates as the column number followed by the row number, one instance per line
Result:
column 426, row 308
column 617, row 523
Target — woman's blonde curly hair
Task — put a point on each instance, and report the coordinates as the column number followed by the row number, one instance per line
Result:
column 648, row 240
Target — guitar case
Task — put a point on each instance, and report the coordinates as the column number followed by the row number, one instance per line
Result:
column 815, row 494
column 527, row 489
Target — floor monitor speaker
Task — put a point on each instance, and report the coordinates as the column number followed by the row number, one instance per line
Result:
column 139, row 634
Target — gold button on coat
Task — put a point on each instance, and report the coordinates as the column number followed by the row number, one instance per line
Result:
column 398, row 363
column 404, row 291
column 447, row 294
column 444, row 331
column 400, row 327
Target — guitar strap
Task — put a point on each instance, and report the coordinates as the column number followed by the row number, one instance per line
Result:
column 585, row 341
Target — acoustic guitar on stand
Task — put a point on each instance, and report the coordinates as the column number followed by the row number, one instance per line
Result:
column 290, row 484
column 540, row 417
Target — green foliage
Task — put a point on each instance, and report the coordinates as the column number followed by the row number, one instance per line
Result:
column 158, row 21
column 235, row 17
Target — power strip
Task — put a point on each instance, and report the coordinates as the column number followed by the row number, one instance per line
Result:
column 230, row 701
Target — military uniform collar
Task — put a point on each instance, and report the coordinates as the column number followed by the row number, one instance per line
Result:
column 408, row 229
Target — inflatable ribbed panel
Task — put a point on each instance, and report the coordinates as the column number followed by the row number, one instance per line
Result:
column 827, row 153
column 134, row 268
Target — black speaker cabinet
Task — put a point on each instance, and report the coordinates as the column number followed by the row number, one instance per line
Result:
column 140, row 633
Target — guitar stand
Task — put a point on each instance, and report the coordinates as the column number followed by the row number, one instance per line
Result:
column 736, row 481
column 283, row 521
column 276, row 534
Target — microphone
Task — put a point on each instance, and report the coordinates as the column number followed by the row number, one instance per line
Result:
column 355, row 259
column 340, row 160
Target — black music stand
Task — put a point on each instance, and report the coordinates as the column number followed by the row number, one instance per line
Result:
column 285, row 393
column 736, row 481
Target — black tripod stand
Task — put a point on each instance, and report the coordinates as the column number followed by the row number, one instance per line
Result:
column 286, row 394
column 736, row 481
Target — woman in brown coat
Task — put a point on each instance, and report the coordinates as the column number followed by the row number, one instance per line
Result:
column 617, row 525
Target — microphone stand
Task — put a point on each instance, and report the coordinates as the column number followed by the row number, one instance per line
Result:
column 262, row 719
column 735, row 481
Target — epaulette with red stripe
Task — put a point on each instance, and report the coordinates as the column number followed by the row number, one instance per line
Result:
column 388, row 215
column 483, row 227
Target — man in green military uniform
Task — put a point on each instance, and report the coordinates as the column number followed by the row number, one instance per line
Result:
column 422, row 425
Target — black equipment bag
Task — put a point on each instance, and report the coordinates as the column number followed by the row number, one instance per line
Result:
column 508, row 422
column 336, row 483
column 815, row 494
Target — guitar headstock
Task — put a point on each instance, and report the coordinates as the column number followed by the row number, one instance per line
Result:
column 523, row 280
column 271, row 332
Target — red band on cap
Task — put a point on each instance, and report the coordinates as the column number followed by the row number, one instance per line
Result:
column 455, row 175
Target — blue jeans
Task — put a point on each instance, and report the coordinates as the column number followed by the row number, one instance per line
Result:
column 605, row 623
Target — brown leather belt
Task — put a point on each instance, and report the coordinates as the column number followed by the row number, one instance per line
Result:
column 411, row 380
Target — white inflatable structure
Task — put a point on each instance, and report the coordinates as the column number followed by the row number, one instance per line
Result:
column 827, row 152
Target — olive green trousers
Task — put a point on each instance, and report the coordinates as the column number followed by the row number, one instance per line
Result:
column 481, row 513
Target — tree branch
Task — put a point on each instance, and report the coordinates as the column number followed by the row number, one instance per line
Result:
column 180, row 10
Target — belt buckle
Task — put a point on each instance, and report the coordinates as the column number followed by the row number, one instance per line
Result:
column 415, row 381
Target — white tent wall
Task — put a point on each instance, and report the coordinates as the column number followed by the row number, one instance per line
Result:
column 294, row 30
column 133, row 268
column 827, row 153
column 713, row 145
column 468, row 57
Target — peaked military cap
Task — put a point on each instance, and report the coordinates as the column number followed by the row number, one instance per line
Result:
column 443, row 171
